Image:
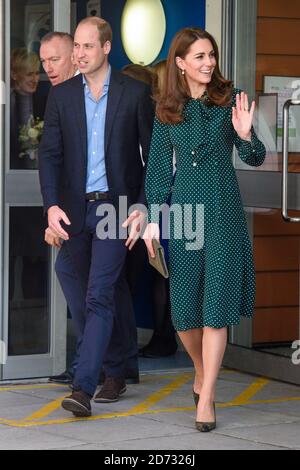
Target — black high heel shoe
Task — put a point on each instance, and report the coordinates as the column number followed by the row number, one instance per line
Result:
column 196, row 397
column 207, row 427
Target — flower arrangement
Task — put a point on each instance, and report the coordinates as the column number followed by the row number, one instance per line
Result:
column 29, row 137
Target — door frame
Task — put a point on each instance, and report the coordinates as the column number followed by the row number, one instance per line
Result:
column 28, row 194
column 2, row 143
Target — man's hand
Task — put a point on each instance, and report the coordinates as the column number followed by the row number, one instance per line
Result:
column 55, row 215
column 136, row 222
column 152, row 231
column 52, row 238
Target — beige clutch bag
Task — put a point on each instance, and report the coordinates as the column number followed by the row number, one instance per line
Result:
column 159, row 262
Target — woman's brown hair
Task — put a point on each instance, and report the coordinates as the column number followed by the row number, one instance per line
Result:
column 139, row 72
column 159, row 70
column 175, row 92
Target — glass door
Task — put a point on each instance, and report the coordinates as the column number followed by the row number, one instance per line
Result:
column 2, row 130
column 33, row 309
column 269, row 344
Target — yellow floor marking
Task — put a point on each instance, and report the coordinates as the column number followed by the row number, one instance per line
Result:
column 14, row 388
column 46, row 410
column 143, row 379
column 23, row 424
column 139, row 409
column 143, row 408
column 230, row 371
column 275, row 400
column 155, row 378
column 254, row 388
column 161, row 394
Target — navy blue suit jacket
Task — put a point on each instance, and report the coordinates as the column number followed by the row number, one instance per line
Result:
column 63, row 149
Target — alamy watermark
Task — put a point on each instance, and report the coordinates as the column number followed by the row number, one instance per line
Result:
column 177, row 221
column 3, row 353
column 296, row 354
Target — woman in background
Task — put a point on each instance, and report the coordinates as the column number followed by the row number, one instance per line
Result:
column 163, row 340
column 25, row 76
column 159, row 70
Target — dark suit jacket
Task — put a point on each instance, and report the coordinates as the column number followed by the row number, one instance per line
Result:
column 63, row 149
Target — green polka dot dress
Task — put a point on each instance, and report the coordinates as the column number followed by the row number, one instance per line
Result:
column 213, row 285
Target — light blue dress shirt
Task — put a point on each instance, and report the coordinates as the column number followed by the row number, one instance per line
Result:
column 95, row 119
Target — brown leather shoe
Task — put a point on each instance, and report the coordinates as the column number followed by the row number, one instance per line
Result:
column 112, row 388
column 79, row 403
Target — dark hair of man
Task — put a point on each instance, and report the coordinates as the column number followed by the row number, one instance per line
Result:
column 57, row 34
column 175, row 91
column 104, row 28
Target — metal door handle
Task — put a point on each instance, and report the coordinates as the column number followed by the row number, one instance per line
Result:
column 285, row 162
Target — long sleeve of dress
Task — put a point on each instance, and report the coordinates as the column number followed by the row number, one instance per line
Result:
column 252, row 153
column 159, row 175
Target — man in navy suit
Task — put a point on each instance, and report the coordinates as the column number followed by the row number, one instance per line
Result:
column 56, row 55
column 89, row 156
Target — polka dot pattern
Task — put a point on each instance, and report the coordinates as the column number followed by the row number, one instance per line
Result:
column 215, row 285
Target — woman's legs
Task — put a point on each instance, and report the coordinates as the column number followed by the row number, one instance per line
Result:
column 192, row 341
column 206, row 348
column 213, row 349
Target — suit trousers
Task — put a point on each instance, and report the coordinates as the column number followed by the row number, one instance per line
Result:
column 124, row 319
column 98, row 265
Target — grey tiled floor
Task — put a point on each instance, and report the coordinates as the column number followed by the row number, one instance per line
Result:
column 164, row 422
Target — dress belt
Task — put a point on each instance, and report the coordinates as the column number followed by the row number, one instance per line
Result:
column 97, row 196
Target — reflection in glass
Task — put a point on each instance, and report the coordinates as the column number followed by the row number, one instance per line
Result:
column 276, row 247
column 267, row 112
column 26, row 109
column 29, row 314
column 30, row 21
column 277, row 72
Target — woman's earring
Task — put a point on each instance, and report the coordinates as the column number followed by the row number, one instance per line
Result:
column 182, row 72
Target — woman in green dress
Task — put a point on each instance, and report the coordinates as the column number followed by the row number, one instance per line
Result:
column 199, row 118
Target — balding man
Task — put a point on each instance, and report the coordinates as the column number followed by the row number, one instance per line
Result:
column 56, row 55
column 89, row 157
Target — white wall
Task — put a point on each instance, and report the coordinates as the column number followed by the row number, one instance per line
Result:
column 62, row 15
column 214, row 19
